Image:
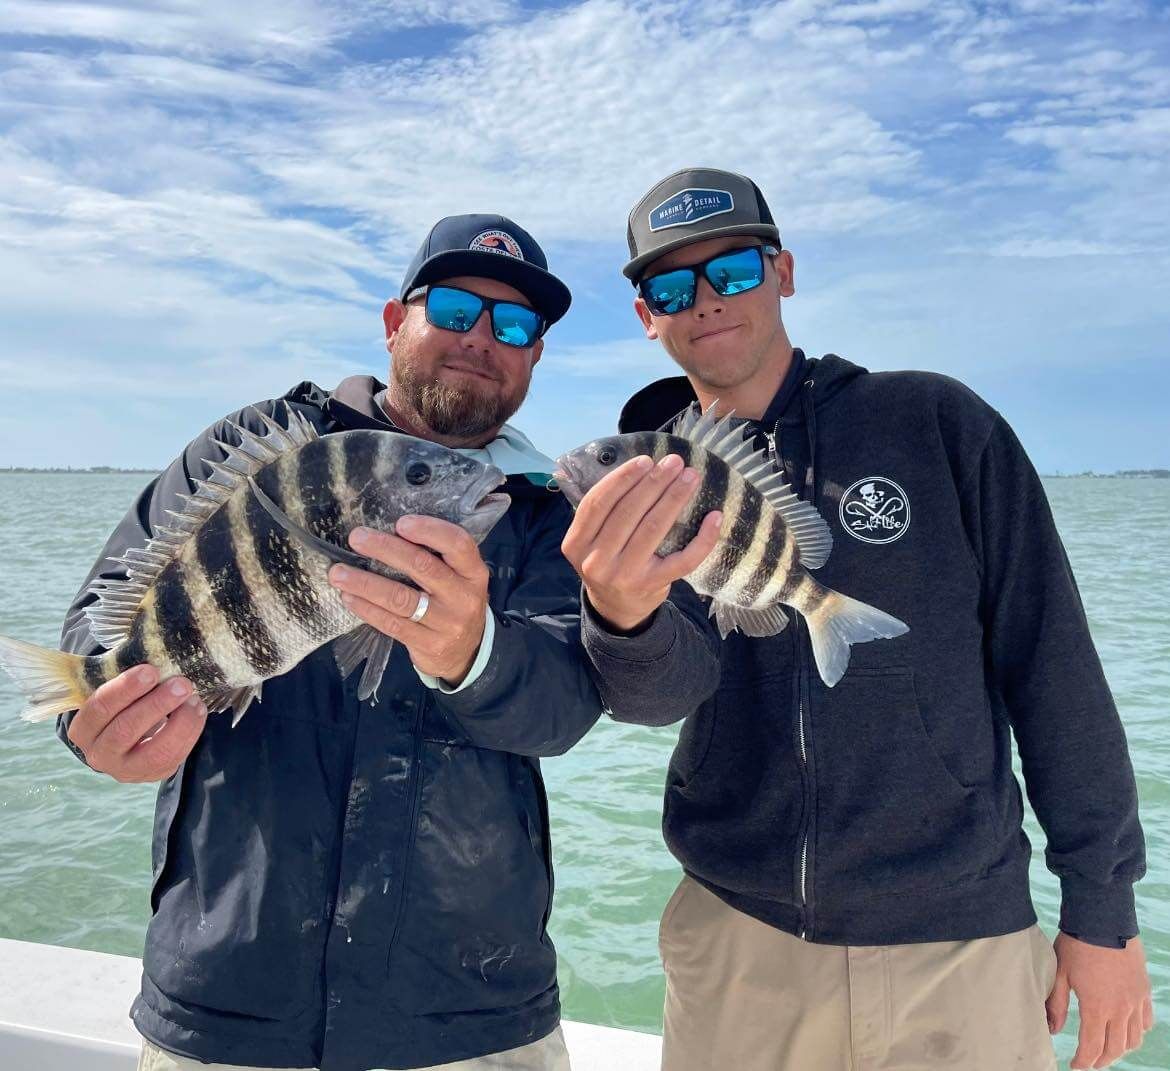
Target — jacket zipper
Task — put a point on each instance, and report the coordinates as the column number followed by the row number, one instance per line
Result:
column 412, row 820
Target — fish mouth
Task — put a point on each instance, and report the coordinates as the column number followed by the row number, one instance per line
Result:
column 568, row 481
column 480, row 493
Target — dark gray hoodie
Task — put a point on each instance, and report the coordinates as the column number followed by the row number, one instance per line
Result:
column 885, row 810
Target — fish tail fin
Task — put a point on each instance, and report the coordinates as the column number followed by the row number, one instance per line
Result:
column 52, row 681
column 835, row 622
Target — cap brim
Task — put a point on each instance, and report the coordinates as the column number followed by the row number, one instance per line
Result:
column 549, row 296
column 756, row 230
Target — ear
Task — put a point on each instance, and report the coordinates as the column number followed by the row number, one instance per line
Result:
column 537, row 351
column 785, row 273
column 643, row 311
column 392, row 316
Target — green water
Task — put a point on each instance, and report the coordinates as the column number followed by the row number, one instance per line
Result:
column 74, row 847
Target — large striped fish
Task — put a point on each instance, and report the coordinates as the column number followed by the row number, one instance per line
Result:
column 768, row 539
column 234, row 590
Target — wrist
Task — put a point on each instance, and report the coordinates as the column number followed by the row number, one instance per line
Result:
column 619, row 618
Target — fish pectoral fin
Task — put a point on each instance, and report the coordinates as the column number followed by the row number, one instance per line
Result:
column 238, row 700
column 766, row 622
column 364, row 644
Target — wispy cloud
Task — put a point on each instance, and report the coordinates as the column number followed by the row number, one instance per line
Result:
column 188, row 181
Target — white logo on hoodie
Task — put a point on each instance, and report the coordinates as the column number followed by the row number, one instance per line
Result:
column 875, row 510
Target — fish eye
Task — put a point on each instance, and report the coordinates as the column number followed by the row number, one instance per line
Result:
column 418, row 472
column 607, row 455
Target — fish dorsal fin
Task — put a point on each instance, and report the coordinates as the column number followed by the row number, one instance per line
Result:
column 119, row 600
column 728, row 441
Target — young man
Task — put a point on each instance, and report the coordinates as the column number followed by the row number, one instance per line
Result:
column 348, row 885
column 856, row 874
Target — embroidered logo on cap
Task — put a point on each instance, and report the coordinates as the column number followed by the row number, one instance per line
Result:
column 690, row 206
column 875, row 510
column 496, row 242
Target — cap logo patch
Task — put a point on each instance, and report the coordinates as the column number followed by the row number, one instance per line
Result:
column 690, row 206
column 496, row 242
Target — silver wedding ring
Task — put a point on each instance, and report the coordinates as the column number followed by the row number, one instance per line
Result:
column 421, row 609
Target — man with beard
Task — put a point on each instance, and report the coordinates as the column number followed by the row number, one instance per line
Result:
column 342, row 884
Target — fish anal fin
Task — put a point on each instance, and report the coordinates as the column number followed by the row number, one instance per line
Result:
column 766, row 622
column 237, row 700
column 364, row 644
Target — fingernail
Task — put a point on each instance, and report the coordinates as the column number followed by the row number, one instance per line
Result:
column 643, row 462
column 147, row 675
column 689, row 477
column 180, row 687
column 670, row 461
column 359, row 536
column 715, row 519
column 347, row 598
column 408, row 522
column 339, row 574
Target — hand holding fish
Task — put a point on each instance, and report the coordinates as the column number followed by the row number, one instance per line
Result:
column 444, row 562
column 137, row 730
column 619, row 526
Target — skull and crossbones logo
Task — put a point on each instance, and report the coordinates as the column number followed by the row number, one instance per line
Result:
column 875, row 510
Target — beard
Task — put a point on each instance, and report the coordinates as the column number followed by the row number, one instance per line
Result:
column 458, row 411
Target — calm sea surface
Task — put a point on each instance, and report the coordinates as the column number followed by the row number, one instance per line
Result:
column 74, row 847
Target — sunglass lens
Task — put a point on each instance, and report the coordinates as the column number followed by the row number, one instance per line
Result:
column 670, row 292
column 454, row 310
column 515, row 325
column 737, row 272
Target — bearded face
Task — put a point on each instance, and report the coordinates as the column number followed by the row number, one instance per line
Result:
column 453, row 402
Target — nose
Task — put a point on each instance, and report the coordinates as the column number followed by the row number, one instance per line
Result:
column 708, row 302
column 480, row 338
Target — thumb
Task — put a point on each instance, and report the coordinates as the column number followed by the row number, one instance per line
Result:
column 1056, row 1006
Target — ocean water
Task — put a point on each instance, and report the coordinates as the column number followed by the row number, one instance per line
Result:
column 74, row 846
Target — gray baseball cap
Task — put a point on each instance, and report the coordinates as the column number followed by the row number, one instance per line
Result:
column 692, row 205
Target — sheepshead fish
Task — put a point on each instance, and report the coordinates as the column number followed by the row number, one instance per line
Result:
column 768, row 539
column 234, row 590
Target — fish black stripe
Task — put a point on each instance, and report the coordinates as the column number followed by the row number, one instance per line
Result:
column 94, row 675
column 315, row 479
column 179, row 630
column 773, row 552
column 132, row 651
column 712, row 495
column 215, row 551
column 683, row 447
column 278, row 554
column 743, row 531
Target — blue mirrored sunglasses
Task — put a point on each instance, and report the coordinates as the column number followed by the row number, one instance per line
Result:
column 733, row 272
column 453, row 309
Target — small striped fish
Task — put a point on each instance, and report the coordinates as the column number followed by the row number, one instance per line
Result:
column 235, row 589
column 768, row 540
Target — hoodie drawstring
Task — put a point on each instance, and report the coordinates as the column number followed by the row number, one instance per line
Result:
column 810, row 427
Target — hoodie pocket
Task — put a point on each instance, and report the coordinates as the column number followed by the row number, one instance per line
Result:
column 891, row 815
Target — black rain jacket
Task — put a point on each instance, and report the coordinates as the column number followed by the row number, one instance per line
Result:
column 351, row 885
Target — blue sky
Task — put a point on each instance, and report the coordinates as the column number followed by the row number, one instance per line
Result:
column 204, row 202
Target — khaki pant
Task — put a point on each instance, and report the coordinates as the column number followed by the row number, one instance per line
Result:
column 741, row 995
column 547, row 1054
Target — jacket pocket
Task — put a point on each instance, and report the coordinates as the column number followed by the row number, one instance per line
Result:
column 478, row 887
column 891, row 816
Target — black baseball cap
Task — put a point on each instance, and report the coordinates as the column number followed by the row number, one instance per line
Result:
column 492, row 247
column 692, row 205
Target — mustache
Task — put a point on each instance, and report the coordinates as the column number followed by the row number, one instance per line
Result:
column 483, row 367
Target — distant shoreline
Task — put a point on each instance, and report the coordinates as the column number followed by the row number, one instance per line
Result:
column 106, row 470
column 93, row 470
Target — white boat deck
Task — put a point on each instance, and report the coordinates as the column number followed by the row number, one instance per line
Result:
column 63, row 1009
